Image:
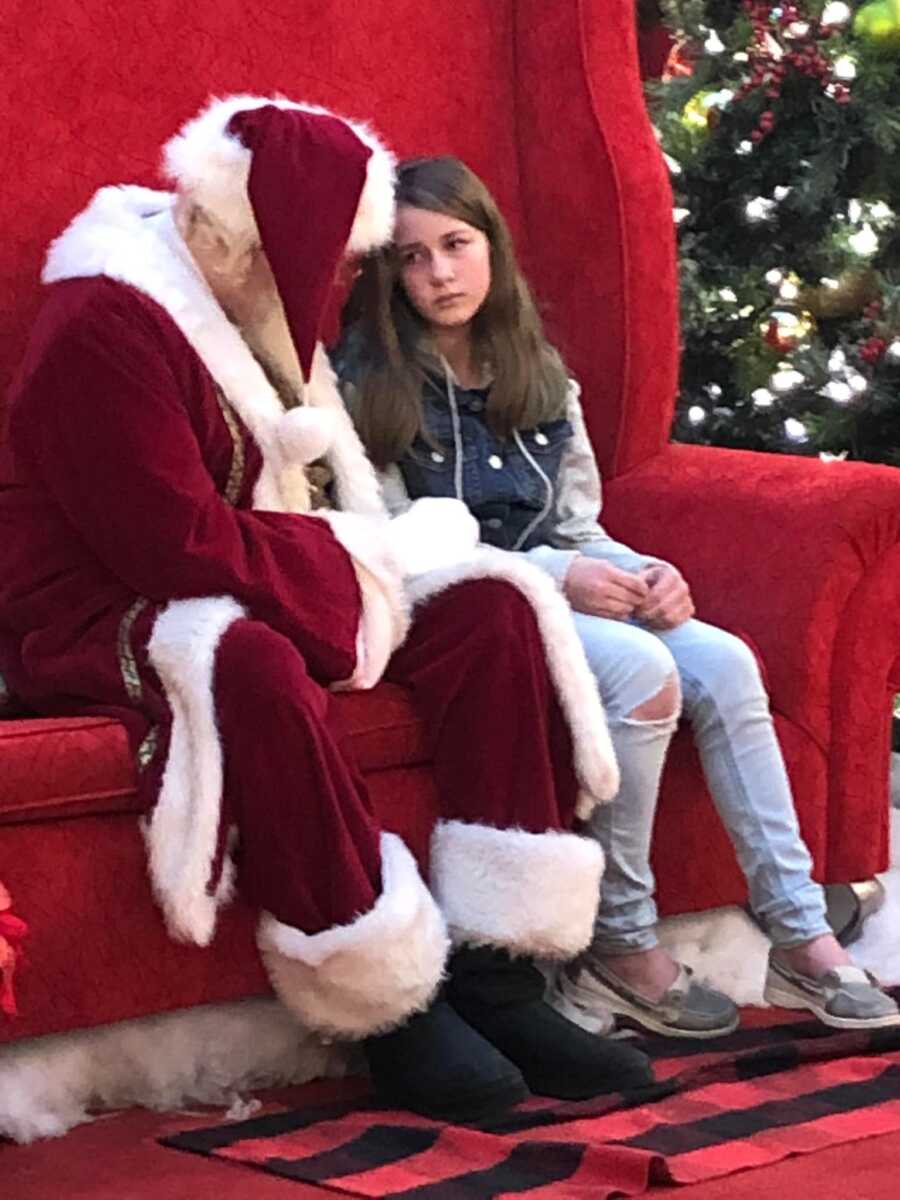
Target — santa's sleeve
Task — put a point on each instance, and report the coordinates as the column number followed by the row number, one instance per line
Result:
column 108, row 417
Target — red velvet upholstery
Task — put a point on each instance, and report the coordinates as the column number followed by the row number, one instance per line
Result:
column 544, row 100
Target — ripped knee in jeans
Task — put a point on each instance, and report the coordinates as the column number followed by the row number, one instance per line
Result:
column 663, row 708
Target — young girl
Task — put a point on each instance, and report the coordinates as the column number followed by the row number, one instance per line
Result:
column 456, row 392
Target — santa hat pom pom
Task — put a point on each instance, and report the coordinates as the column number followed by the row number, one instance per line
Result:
column 305, row 434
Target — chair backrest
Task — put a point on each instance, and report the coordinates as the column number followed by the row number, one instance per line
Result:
column 541, row 97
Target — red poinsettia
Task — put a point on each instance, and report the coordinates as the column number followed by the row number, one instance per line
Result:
column 12, row 932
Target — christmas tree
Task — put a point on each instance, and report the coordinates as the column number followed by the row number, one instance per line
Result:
column 781, row 127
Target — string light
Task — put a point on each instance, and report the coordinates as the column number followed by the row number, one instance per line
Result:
column 865, row 242
column 713, row 391
column 762, row 398
column 728, row 294
column 759, row 209
column 679, row 214
column 837, row 360
column 780, row 192
column 844, row 68
column 838, row 391
column 788, row 290
column 893, row 350
column 696, row 414
column 858, row 382
column 795, row 430
column 713, row 44
column 835, row 13
column 826, row 457
column 786, row 378
column 774, row 277
column 744, row 148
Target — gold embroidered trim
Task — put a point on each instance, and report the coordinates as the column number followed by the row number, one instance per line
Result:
column 127, row 664
column 148, row 747
column 236, row 471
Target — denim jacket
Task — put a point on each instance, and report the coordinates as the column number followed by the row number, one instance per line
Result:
column 538, row 492
column 507, row 484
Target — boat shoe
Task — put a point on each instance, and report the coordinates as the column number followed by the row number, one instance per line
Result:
column 588, row 992
column 845, row 997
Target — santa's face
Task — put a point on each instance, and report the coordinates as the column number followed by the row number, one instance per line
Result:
column 445, row 266
column 238, row 274
column 249, row 291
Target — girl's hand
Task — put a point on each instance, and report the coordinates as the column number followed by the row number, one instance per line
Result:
column 668, row 603
column 598, row 588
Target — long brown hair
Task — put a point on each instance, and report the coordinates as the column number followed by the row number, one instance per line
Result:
column 385, row 351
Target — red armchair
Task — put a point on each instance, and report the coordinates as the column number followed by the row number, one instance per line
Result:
column 544, row 100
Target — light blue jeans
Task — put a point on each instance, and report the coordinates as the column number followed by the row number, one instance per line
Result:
column 725, row 702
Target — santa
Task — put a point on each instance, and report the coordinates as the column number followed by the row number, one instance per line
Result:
column 196, row 544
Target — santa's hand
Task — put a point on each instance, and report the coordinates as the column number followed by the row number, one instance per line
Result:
column 433, row 532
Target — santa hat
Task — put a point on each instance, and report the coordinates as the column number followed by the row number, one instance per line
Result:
column 308, row 185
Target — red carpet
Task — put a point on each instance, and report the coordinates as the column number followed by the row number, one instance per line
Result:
column 756, row 1098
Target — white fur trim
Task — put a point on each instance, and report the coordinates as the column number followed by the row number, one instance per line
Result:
column 356, row 482
column 595, row 760
column 385, row 616
column 212, row 167
column 530, row 893
column 182, row 831
column 373, row 225
column 366, row 977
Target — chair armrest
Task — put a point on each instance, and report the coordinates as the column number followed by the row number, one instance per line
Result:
column 780, row 547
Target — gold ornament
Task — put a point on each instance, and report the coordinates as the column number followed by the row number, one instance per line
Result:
column 787, row 328
column 847, row 296
column 879, row 24
column 701, row 113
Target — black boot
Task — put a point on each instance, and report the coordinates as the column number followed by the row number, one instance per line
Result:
column 437, row 1065
column 503, row 998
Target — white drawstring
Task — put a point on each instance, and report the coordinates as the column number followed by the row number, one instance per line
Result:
column 548, row 503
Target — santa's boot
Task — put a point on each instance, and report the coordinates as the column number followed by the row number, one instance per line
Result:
column 375, row 980
column 509, row 895
column 503, row 998
column 437, row 1065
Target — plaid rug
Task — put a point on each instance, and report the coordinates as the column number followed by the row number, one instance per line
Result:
column 744, row 1101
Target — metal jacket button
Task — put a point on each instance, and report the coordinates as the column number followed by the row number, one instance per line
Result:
column 436, row 457
column 495, row 461
column 541, row 438
column 494, row 522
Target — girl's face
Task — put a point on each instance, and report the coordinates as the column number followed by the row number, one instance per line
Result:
column 445, row 266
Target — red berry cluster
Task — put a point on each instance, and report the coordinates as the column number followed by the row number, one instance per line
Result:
column 872, row 349
column 801, row 54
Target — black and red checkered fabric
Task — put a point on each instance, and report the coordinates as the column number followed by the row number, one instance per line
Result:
column 744, row 1101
